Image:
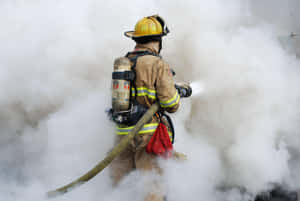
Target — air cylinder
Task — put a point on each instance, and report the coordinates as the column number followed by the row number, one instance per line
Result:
column 120, row 86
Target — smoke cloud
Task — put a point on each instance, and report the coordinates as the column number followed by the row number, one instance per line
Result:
column 240, row 130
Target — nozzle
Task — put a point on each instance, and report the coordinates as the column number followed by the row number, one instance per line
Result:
column 184, row 89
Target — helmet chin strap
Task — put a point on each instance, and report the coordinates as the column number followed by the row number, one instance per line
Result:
column 160, row 46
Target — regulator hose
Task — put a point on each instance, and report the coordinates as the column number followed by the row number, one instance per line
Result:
column 109, row 158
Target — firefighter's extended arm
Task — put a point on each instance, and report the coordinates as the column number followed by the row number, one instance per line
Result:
column 165, row 87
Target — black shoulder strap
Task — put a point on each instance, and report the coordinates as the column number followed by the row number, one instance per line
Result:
column 137, row 54
column 142, row 53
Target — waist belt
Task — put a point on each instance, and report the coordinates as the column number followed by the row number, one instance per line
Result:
column 148, row 128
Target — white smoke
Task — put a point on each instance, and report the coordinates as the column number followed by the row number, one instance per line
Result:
column 239, row 130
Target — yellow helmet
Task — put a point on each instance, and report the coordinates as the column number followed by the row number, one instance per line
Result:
column 149, row 26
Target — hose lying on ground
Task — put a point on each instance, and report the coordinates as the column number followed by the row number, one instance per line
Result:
column 108, row 159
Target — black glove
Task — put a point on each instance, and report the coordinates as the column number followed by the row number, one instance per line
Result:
column 184, row 89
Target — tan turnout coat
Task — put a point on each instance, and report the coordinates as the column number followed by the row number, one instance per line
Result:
column 154, row 82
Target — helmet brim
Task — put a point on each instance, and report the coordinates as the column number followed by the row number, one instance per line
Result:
column 130, row 34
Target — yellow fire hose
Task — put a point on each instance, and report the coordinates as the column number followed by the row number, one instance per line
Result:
column 109, row 158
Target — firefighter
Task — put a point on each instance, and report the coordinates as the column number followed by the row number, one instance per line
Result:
column 153, row 82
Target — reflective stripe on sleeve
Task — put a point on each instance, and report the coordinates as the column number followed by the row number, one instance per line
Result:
column 173, row 101
column 148, row 128
column 143, row 91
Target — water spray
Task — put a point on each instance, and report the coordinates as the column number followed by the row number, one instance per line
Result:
column 198, row 88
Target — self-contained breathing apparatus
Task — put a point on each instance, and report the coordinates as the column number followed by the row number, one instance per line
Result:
column 125, row 108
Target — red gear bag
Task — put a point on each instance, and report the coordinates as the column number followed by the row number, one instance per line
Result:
column 160, row 143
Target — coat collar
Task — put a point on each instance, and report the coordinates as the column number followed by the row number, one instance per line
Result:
column 151, row 46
